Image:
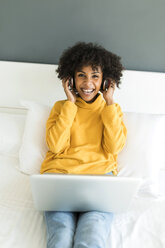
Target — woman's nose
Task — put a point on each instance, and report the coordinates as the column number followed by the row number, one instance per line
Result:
column 88, row 80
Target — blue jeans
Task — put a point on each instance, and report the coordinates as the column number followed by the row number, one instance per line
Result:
column 77, row 230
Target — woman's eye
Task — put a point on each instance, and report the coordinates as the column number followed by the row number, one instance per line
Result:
column 80, row 75
column 95, row 76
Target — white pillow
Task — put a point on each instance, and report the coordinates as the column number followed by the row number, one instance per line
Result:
column 143, row 154
column 11, row 131
column 34, row 148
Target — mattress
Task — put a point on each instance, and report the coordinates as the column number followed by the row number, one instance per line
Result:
column 21, row 226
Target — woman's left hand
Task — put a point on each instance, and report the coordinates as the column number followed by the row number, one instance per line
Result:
column 108, row 94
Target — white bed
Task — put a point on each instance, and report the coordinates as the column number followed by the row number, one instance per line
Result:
column 27, row 94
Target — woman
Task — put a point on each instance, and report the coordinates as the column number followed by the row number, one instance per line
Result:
column 84, row 134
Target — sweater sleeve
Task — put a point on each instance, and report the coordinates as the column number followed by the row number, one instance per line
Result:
column 114, row 132
column 59, row 124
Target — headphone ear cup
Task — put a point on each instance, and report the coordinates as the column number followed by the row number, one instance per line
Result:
column 105, row 82
column 71, row 84
column 74, row 86
column 102, row 85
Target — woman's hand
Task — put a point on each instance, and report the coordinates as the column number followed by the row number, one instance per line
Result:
column 71, row 95
column 108, row 94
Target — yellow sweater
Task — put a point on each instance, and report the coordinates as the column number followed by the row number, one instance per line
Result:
column 84, row 138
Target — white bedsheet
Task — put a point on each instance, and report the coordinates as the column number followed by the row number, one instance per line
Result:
column 21, row 226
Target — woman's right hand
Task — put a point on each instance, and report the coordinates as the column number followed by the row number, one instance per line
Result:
column 71, row 95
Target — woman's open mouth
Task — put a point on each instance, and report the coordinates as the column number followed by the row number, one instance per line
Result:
column 87, row 92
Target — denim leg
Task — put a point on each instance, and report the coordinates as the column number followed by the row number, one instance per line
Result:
column 60, row 229
column 93, row 229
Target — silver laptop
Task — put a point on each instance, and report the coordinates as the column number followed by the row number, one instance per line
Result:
column 67, row 192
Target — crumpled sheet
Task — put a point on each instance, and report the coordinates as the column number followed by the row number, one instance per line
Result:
column 21, row 226
column 142, row 227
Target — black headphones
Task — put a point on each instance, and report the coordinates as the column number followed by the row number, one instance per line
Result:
column 104, row 86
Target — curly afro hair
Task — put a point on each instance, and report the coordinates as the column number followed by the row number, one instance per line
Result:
column 85, row 54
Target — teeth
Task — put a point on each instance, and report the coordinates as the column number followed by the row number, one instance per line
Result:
column 87, row 91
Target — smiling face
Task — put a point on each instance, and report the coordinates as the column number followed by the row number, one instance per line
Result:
column 88, row 82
